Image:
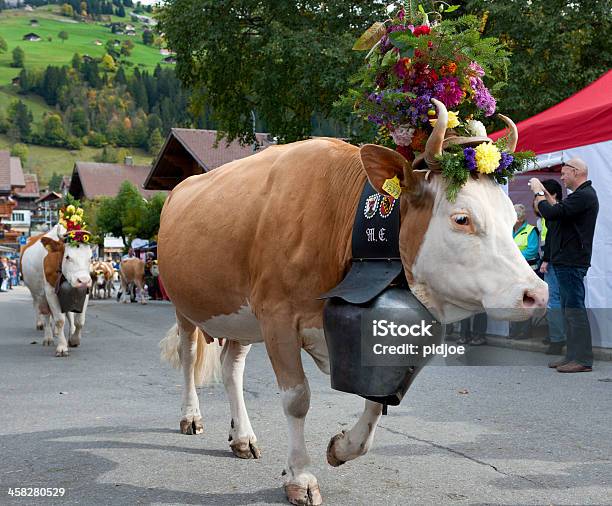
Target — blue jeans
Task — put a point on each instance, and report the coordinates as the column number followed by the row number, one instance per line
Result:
column 554, row 315
column 578, row 330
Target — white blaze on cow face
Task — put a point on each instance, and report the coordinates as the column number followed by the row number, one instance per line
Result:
column 75, row 265
column 100, row 279
column 468, row 260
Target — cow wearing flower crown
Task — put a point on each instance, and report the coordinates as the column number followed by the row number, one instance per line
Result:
column 255, row 273
column 57, row 263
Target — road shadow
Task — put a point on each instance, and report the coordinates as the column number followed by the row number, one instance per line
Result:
column 55, row 459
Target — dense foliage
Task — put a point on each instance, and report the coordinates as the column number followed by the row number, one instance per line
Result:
column 558, row 47
column 98, row 105
column 286, row 61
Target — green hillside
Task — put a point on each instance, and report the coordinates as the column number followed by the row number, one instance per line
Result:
column 44, row 160
column 14, row 24
column 82, row 37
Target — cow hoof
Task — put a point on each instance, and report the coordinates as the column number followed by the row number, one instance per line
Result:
column 303, row 496
column 192, row 426
column 143, row 301
column 62, row 352
column 332, row 460
column 39, row 326
column 245, row 449
column 73, row 343
column 47, row 341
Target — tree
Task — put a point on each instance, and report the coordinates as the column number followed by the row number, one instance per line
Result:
column 126, row 47
column 55, row 182
column 3, row 45
column 52, row 131
column 63, row 35
column 67, row 10
column 284, row 60
column 149, row 226
column 20, row 150
column 21, row 118
column 147, row 37
column 155, row 142
column 558, row 48
column 108, row 64
column 18, row 57
column 121, row 11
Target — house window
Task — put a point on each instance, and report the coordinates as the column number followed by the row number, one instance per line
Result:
column 18, row 217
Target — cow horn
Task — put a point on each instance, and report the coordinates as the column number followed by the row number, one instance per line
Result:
column 513, row 133
column 433, row 147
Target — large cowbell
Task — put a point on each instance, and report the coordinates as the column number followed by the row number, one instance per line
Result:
column 375, row 287
column 71, row 299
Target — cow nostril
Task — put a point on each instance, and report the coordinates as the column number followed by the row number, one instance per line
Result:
column 528, row 300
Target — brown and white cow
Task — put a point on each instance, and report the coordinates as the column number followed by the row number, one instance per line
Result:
column 102, row 276
column 43, row 259
column 246, row 250
column 131, row 274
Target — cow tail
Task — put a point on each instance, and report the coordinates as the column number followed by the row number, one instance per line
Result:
column 207, row 367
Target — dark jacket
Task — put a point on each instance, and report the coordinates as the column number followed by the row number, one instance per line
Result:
column 571, row 243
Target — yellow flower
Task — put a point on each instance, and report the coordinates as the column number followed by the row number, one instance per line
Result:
column 75, row 218
column 487, row 157
column 70, row 209
column 453, row 120
column 79, row 211
column 85, row 237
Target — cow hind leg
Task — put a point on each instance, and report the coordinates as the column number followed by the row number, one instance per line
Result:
column 283, row 347
column 191, row 418
column 241, row 436
column 357, row 441
column 40, row 324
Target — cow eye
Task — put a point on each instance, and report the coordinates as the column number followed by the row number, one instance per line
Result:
column 68, row 258
column 461, row 219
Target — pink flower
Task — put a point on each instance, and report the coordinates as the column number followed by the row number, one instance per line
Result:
column 448, row 91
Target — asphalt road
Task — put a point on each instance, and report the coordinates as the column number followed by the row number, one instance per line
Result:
column 103, row 424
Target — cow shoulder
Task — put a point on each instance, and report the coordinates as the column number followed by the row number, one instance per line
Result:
column 52, row 262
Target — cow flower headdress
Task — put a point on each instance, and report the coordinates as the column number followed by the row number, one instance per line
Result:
column 72, row 219
column 425, row 79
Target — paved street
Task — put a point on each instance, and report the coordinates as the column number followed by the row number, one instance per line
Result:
column 103, row 423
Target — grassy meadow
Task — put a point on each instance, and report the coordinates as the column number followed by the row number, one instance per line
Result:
column 14, row 24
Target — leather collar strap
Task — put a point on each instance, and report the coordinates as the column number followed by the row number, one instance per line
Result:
column 376, row 258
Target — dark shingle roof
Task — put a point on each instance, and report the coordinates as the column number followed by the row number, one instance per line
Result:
column 104, row 179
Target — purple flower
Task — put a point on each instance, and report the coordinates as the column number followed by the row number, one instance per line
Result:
column 506, row 160
column 448, row 91
column 475, row 70
column 470, row 158
column 482, row 96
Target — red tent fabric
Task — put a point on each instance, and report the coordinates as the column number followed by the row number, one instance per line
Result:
column 582, row 119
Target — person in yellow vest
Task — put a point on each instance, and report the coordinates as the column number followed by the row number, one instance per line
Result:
column 526, row 237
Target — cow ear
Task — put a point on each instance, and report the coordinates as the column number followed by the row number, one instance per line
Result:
column 382, row 163
column 50, row 244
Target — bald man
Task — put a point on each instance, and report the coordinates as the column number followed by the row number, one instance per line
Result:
column 570, row 255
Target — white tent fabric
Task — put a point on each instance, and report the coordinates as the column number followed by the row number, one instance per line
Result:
column 598, row 283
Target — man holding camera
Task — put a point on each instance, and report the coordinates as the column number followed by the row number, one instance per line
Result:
column 570, row 255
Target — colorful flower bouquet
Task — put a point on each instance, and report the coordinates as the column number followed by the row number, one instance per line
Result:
column 71, row 218
column 412, row 60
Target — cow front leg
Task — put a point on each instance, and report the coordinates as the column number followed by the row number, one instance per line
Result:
column 191, row 418
column 143, row 293
column 61, row 350
column 77, row 321
column 300, row 485
column 357, row 441
column 241, row 436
